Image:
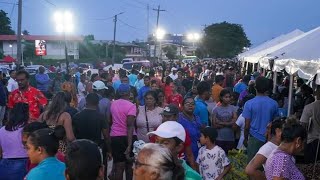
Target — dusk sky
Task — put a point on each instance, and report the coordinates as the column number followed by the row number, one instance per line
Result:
column 261, row 19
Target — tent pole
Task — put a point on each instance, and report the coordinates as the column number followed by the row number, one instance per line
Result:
column 274, row 82
column 253, row 67
column 290, row 95
column 247, row 67
column 243, row 66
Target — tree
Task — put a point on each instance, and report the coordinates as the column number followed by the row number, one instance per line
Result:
column 89, row 50
column 225, row 40
column 29, row 50
column 25, row 32
column 5, row 24
column 171, row 51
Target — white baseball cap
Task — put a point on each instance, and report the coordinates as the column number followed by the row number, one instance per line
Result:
column 174, row 69
column 99, row 85
column 170, row 129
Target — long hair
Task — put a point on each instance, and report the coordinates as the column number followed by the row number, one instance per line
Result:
column 162, row 161
column 57, row 106
column 19, row 117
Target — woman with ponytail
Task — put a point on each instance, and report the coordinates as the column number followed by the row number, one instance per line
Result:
column 42, row 146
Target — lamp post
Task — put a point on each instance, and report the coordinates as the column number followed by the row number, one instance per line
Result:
column 10, row 45
column 193, row 37
column 160, row 33
column 64, row 24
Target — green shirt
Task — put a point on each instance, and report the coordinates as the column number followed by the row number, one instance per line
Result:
column 190, row 174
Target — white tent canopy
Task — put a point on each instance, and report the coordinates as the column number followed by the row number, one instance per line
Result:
column 301, row 55
column 268, row 44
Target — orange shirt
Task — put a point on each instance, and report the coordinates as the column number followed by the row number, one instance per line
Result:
column 32, row 96
column 216, row 89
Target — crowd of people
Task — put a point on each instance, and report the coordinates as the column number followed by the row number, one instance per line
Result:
column 168, row 121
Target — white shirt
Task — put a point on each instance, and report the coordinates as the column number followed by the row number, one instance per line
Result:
column 81, row 89
column 12, row 85
column 212, row 162
column 173, row 77
column 267, row 149
column 241, row 122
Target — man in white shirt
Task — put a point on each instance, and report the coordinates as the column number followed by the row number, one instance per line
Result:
column 173, row 74
column 253, row 169
column 82, row 87
column 12, row 83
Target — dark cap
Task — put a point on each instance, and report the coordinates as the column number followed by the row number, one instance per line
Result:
column 170, row 109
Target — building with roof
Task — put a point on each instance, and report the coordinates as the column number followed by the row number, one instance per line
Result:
column 134, row 51
column 54, row 45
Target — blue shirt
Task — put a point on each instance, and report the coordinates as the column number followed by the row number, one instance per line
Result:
column 49, row 169
column 202, row 111
column 260, row 110
column 282, row 112
column 240, row 87
column 141, row 94
column 116, row 84
column 132, row 79
column 193, row 128
column 43, row 82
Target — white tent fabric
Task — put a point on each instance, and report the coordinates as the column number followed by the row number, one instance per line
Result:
column 300, row 55
column 255, row 58
column 268, row 44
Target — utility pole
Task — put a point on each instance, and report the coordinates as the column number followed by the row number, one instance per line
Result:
column 114, row 37
column 148, row 25
column 19, row 34
column 158, row 14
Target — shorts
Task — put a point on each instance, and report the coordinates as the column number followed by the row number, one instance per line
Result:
column 119, row 145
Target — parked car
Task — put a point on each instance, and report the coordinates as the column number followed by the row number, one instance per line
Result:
column 114, row 67
column 85, row 66
column 34, row 69
column 126, row 60
column 137, row 64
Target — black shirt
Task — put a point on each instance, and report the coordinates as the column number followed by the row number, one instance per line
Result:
column 88, row 124
column 72, row 111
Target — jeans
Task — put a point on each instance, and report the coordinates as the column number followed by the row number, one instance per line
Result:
column 13, row 169
column 2, row 112
column 310, row 151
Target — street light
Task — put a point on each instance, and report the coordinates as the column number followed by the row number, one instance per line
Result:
column 10, row 45
column 160, row 33
column 194, row 37
column 64, row 24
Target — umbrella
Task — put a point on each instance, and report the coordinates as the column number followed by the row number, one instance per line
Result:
column 8, row 59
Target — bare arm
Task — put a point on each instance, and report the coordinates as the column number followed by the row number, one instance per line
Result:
column 225, row 171
column 278, row 178
column 252, row 168
column 246, row 132
column 130, row 127
column 232, row 122
column 215, row 122
column 190, row 157
column 107, row 141
column 67, row 124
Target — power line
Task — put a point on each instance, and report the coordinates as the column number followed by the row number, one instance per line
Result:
column 3, row 2
column 14, row 5
column 47, row 1
column 132, row 5
column 129, row 25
